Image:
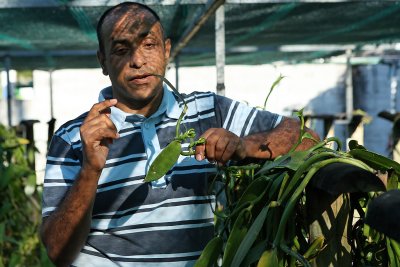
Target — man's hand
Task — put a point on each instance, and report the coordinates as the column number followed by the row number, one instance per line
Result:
column 220, row 146
column 97, row 132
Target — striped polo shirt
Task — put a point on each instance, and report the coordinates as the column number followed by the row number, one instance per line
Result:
column 164, row 223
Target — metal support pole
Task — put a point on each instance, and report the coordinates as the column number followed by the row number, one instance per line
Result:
column 7, row 65
column 220, row 49
column 177, row 73
column 51, row 93
column 349, row 88
column 393, row 86
column 52, row 121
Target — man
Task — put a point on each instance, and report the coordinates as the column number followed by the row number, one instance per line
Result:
column 97, row 211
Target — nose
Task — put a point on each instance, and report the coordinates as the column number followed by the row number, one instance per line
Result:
column 137, row 59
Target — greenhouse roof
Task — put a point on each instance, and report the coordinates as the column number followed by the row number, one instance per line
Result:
column 53, row 34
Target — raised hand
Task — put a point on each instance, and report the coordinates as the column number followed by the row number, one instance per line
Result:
column 97, row 132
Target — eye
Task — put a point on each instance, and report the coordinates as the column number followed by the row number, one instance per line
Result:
column 149, row 44
column 120, row 50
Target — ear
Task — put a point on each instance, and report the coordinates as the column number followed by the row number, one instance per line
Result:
column 102, row 60
column 167, row 46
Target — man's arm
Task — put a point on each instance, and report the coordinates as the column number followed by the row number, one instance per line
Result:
column 222, row 145
column 66, row 229
column 64, row 232
column 278, row 141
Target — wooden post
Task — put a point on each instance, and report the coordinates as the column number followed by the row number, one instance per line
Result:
column 356, row 129
column 329, row 216
column 329, row 208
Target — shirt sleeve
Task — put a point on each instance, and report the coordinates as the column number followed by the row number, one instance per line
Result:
column 62, row 166
column 241, row 119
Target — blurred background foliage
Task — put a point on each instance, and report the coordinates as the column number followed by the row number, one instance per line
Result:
column 20, row 210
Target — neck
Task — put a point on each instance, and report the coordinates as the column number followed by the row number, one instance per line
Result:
column 145, row 108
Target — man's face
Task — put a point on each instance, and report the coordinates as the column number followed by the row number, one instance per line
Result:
column 134, row 48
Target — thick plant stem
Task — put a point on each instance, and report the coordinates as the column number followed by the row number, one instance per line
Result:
column 185, row 107
column 302, row 169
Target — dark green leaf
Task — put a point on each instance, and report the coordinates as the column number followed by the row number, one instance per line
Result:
column 164, row 161
column 236, row 236
column 250, row 237
column 374, row 160
column 210, row 254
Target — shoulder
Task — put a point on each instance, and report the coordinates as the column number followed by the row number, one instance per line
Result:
column 197, row 102
column 195, row 96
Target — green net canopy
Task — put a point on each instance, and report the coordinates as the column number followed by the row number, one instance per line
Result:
column 53, row 34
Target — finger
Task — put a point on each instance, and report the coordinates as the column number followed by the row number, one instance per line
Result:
column 200, row 150
column 211, row 142
column 229, row 151
column 106, row 111
column 100, row 107
column 220, row 147
column 102, row 120
column 99, row 135
column 88, row 130
column 91, row 128
column 106, row 133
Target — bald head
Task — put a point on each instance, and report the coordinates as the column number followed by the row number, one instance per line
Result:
column 137, row 14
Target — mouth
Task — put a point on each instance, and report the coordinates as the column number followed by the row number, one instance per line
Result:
column 140, row 78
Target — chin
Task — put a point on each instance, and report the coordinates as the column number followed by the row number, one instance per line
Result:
column 142, row 94
column 145, row 96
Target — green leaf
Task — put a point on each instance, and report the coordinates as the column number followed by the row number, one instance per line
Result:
column 284, row 184
column 276, row 185
column 254, row 191
column 279, row 162
column 2, row 233
column 276, row 82
column 396, row 249
column 391, row 254
column 254, row 254
column 374, row 160
column 295, row 255
column 210, row 254
column 317, row 162
column 291, row 161
column 393, row 181
column 236, row 236
column 315, row 247
column 269, row 258
column 22, row 141
column 353, row 144
column 5, row 177
column 250, row 237
column 307, row 135
column 164, row 161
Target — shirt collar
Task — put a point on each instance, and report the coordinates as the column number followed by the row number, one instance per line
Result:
column 169, row 105
column 174, row 107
